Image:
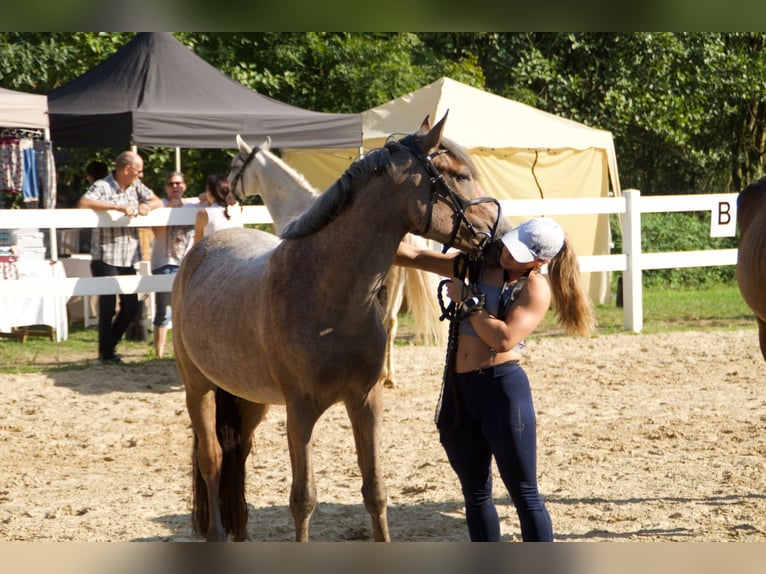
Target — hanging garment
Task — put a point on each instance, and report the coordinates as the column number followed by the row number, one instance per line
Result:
column 30, row 185
column 46, row 173
column 11, row 165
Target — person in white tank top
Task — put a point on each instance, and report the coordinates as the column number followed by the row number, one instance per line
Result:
column 222, row 211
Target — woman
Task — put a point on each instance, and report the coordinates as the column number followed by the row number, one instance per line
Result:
column 169, row 247
column 486, row 390
column 222, row 212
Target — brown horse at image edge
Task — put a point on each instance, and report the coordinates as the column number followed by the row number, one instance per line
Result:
column 751, row 255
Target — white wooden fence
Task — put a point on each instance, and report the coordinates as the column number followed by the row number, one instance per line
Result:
column 631, row 262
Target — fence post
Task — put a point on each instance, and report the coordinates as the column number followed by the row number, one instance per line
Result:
column 633, row 307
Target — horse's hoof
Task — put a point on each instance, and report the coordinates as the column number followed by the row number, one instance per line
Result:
column 389, row 384
column 217, row 536
column 242, row 538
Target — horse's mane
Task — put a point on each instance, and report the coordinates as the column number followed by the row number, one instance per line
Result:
column 299, row 178
column 333, row 201
column 336, row 198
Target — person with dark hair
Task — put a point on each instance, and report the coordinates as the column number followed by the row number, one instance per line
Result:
column 222, row 211
column 96, row 170
column 486, row 409
column 170, row 245
column 116, row 250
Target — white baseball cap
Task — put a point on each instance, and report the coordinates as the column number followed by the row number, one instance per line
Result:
column 541, row 238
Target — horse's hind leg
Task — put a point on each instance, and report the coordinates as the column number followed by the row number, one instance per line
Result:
column 251, row 415
column 394, row 300
column 209, row 458
column 366, row 415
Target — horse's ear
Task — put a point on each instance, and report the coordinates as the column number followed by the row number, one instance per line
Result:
column 266, row 145
column 243, row 147
column 434, row 136
column 426, row 125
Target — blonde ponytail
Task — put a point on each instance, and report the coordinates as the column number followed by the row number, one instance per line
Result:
column 570, row 303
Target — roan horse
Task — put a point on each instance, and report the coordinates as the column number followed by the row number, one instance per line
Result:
column 287, row 194
column 751, row 256
column 259, row 321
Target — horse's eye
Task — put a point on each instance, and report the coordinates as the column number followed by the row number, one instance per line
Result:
column 463, row 178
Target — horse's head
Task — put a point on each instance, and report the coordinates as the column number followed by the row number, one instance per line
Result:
column 449, row 206
column 238, row 168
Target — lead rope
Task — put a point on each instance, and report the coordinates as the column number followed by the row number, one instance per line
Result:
column 448, row 413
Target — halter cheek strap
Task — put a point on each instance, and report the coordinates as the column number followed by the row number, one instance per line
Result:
column 239, row 177
column 440, row 188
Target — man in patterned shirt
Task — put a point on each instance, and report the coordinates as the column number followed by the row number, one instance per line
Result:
column 116, row 250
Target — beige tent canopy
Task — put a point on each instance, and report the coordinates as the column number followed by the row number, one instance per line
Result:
column 23, row 110
column 520, row 152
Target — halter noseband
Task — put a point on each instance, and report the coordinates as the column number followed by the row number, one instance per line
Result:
column 240, row 175
column 458, row 204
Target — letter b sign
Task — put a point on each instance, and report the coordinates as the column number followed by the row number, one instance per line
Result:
column 723, row 219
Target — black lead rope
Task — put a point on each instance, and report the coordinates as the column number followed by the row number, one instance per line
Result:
column 448, row 410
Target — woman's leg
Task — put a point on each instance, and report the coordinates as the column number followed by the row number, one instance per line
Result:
column 470, row 456
column 162, row 312
column 510, row 427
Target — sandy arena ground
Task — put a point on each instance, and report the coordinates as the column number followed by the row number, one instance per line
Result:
column 640, row 438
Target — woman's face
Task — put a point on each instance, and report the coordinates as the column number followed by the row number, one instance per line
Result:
column 508, row 263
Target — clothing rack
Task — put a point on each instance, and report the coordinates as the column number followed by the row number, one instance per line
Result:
column 22, row 133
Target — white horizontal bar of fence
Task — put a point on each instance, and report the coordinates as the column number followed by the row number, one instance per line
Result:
column 631, row 262
column 72, row 286
column 84, row 218
column 678, row 259
column 564, row 206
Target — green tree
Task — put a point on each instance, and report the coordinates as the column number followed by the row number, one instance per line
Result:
column 687, row 110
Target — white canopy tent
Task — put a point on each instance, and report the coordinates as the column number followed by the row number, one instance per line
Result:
column 23, row 110
column 520, row 152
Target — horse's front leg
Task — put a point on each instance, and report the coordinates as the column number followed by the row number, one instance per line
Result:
column 301, row 418
column 366, row 416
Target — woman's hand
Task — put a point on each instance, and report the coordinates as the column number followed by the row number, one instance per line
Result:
column 457, row 290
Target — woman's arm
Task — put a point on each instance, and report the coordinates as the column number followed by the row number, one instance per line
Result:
column 523, row 317
column 408, row 255
column 199, row 225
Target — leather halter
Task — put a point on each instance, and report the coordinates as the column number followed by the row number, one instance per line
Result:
column 239, row 177
column 440, row 188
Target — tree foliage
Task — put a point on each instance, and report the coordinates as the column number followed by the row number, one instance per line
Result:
column 687, row 110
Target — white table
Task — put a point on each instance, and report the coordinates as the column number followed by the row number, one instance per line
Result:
column 78, row 265
column 24, row 312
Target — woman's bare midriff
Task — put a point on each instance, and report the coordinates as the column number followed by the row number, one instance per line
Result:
column 474, row 354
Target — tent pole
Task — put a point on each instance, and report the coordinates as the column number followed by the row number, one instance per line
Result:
column 178, row 159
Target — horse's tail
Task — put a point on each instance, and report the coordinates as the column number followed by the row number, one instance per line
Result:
column 420, row 291
column 232, row 482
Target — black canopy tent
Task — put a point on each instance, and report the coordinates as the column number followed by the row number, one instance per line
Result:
column 156, row 92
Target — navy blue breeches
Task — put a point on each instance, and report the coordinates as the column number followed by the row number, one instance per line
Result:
column 497, row 420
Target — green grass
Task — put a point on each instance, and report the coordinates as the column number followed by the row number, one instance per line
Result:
column 718, row 307
column 79, row 351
